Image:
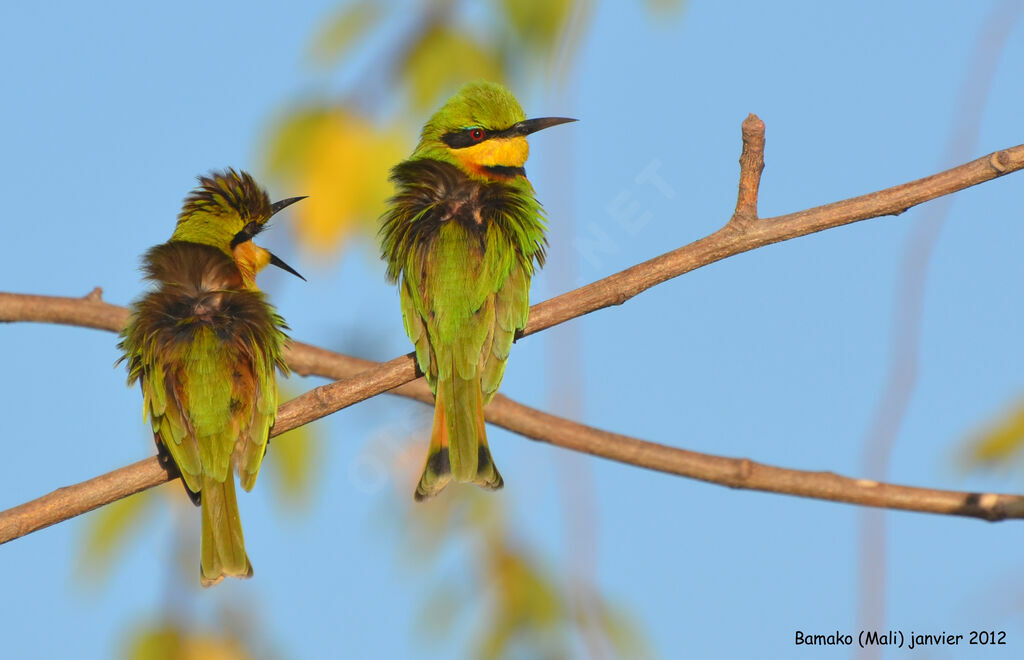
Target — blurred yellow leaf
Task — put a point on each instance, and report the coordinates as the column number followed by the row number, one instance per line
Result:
column 108, row 529
column 619, row 630
column 538, row 23
column 525, row 594
column 528, row 613
column 291, row 141
column 171, row 643
column 1001, row 440
column 342, row 31
column 341, row 161
column 441, row 61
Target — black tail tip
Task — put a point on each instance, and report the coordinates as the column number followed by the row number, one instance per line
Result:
column 436, row 475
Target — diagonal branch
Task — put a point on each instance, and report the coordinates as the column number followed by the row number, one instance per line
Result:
column 360, row 379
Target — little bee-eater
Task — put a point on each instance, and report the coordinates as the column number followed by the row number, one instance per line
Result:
column 204, row 343
column 465, row 234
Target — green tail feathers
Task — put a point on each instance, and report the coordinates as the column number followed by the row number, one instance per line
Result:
column 458, row 441
column 223, row 548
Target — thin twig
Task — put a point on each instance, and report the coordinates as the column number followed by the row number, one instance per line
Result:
column 613, row 290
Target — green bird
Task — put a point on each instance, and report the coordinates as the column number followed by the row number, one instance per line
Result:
column 204, row 344
column 465, row 233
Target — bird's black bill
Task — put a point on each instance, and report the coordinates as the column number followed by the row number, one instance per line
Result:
column 283, row 204
column 276, row 261
column 528, row 126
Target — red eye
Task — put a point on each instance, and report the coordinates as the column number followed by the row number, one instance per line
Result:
column 476, row 134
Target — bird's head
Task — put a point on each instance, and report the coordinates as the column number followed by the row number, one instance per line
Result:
column 226, row 210
column 482, row 130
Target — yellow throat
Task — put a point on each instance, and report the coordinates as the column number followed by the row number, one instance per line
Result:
column 496, row 152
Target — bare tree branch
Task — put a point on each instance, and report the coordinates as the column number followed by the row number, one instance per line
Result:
column 360, row 379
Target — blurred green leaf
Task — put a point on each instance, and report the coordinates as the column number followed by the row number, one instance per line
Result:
column 107, row 532
column 343, row 30
column 538, row 24
column 292, row 458
column 524, row 593
column 1002, row 439
column 664, row 7
column 441, row 60
column 527, row 611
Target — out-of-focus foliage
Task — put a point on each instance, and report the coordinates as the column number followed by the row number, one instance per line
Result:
column 617, row 626
column 520, row 608
column 339, row 147
column 537, row 24
column 291, row 462
column 343, row 31
column 1001, row 442
column 527, row 608
column 169, row 641
column 108, row 531
column 442, row 59
column 341, row 162
column 291, row 459
column 665, row 6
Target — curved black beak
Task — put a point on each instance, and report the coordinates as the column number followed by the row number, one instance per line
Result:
column 277, row 261
column 528, row 126
column 285, row 203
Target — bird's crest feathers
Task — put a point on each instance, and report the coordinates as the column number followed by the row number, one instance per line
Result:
column 226, row 210
column 221, row 206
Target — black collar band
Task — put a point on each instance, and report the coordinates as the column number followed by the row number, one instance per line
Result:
column 506, row 170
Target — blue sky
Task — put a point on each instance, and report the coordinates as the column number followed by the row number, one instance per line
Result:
column 778, row 355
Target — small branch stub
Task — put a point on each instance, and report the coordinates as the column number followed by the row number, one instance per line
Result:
column 751, row 166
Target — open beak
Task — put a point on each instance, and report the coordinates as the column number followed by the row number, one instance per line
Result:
column 284, row 203
column 277, row 261
column 528, row 126
column 274, row 259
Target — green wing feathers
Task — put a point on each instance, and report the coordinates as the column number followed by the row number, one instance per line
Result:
column 463, row 251
column 206, row 358
column 252, row 442
column 511, row 310
column 462, row 308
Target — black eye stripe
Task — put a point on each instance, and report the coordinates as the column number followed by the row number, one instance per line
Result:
column 464, row 138
column 246, row 234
